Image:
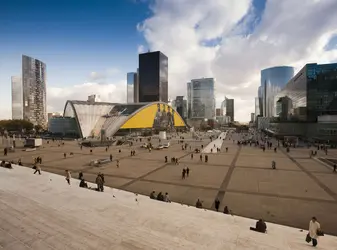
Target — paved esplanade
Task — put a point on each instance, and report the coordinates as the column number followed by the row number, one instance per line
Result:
column 213, row 145
column 241, row 178
column 42, row 212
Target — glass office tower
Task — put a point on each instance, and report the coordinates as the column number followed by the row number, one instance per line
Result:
column 34, row 91
column 153, row 77
column 201, row 99
column 16, row 98
column 312, row 91
column 131, row 79
column 273, row 81
column 230, row 108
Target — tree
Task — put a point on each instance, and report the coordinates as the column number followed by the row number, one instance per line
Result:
column 16, row 125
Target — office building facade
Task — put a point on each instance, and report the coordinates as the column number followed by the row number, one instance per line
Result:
column 201, row 98
column 131, row 79
column 257, row 107
column 230, row 108
column 252, row 117
column 312, row 92
column 153, row 77
column 17, row 108
column 273, row 80
column 34, row 91
column 180, row 104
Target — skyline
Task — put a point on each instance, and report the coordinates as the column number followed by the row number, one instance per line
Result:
column 90, row 46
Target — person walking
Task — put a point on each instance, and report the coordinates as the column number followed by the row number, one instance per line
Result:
column 187, row 171
column 117, row 163
column 183, row 173
column 99, row 182
column 68, row 176
column 37, row 169
column 314, row 226
column 334, row 168
column 217, row 204
column 110, row 157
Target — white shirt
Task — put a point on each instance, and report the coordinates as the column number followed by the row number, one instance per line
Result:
column 313, row 226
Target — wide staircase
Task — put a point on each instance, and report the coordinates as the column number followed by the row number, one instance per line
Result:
column 43, row 212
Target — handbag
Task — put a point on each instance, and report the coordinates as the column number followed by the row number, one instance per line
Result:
column 320, row 232
column 308, row 238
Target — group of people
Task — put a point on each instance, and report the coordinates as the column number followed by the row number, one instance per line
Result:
column 160, row 196
column 185, row 173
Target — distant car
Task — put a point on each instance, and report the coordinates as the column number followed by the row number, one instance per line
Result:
column 167, row 145
column 160, row 147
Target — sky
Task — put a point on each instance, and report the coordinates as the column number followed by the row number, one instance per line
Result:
column 90, row 45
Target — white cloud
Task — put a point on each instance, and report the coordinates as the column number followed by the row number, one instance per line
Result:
column 290, row 33
column 94, row 75
column 140, row 49
column 109, row 92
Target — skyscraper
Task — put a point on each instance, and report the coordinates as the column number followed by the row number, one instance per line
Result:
column 136, row 88
column 180, row 105
column 131, row 79
column 230, row 108
column 153, row 77
column 17, row 107
column 273, row 80
column 201, row 99
column 34, row 91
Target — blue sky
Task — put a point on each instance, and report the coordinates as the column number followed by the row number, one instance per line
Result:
column 72, row 37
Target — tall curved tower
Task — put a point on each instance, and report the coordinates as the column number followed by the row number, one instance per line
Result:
column 273, row 80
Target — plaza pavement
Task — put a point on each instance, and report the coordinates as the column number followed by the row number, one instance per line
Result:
column 242, row 178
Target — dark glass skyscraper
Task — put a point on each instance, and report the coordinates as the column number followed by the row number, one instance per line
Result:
column 312, row 91
column 34, row 91
column 273, row 81
column 153, row 77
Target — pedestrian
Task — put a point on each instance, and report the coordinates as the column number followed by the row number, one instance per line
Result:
column 183, row 173
column 103, row 181
column 226, row 210
column 80, row 175
column 65, row 155
column 177, row 163
column 273, row 165
column 131, row 152
column 68, row 176
column 187, row 171
column 191, row 156
column 119, row 151
column 226, row 150
column 217, row 204
column 334, row 168
column 117, row 163
column 165, row 158
column 206, row 158
column 37, row 169
column 314, row 226
column 5, row 151
column 99, row 182
column 106, row 149
column 110, row 157
column 200, row 157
